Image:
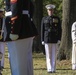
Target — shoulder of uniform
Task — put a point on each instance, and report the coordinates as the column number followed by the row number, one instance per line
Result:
column 73, row 26
column 44, row 18
column 13, row 1
column 74, row 23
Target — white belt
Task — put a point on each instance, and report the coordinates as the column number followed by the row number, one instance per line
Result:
column 23, row 12
column 26, row 12
column 8, row 13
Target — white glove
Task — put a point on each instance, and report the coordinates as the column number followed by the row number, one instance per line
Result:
column 14, row 36
column 43, row 43
column 58, row 41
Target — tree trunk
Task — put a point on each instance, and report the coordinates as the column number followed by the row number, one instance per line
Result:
column 69, row 12
column 37, row 20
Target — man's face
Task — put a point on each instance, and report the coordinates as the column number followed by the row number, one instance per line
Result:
column 1, row 14
column 50, row 12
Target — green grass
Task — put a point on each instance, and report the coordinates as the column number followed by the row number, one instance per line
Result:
column 39, row 63
column 62, row 67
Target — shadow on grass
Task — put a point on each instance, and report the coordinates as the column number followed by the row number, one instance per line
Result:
column 64, row 69
column 39, row 68
column 6, row 68
column 6, row 56
column 46, row 69
column 39, row 56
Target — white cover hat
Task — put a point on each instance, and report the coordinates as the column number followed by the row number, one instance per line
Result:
column 50, row 6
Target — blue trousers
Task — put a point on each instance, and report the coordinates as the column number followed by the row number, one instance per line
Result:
column 2, row 50
column 20, row 56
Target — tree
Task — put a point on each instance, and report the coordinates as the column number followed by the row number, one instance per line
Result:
column 1, row 3
column 69, row 12
column 37, row 20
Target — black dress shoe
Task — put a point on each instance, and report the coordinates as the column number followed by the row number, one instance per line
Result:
column 2, row 67
column 51, row 71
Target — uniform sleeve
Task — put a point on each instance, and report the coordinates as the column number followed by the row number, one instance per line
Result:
column 59, row 30
column 73, row 32
column 0, row 28
column 7, row 3
column 14, row 9
column 42, row 30
column 15, row 18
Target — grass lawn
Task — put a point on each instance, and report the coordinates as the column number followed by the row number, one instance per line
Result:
column 39, row 63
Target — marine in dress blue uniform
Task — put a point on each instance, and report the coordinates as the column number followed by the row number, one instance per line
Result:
column 20, row 33
column 73, row 35
column 50, row 34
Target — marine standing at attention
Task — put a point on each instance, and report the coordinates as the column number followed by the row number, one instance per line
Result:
column 50, row 35
column 20, row 34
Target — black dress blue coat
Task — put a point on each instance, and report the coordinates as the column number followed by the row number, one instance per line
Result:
column 50, row 29
column 22, row 25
